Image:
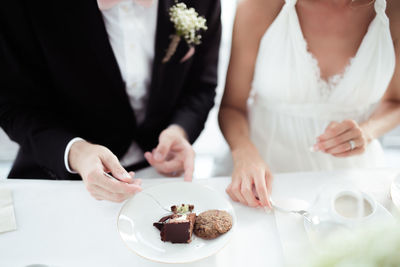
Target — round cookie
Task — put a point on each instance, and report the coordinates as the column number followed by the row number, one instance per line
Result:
column 211, row 224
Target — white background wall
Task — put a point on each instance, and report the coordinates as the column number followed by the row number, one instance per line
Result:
column 8, row 149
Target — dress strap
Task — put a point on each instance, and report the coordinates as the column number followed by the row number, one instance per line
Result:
column 291, row 3
column 380, row 8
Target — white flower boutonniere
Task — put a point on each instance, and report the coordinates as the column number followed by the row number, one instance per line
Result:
column 187, row 23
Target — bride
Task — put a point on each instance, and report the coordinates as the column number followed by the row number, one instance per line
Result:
column 311, row 85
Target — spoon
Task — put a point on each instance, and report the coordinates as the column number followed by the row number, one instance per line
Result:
column 142, row 192
column 305, row 214
column 314, row 220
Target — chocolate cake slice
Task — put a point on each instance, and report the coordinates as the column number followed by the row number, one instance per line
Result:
column 176, row 228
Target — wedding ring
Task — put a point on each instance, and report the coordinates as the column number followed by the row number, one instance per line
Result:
column 352, row 144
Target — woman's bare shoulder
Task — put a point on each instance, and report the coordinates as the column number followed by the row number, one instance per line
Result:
column 255, row 16
column 256, row 8
column 393, row 12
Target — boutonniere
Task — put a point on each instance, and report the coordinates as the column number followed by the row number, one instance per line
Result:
column 187, row 23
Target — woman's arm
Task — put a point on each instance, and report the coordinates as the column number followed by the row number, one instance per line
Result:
column 387, row 115
column 253, row 17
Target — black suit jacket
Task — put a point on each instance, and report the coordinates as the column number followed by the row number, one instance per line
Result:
column 59, row 79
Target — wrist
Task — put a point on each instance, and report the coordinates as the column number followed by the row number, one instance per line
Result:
column 75, row 152
column 178, row 130
column 243, row 150
column 367, row 131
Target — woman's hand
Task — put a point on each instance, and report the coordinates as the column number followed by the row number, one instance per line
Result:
column 251, row 178
column 343, row 139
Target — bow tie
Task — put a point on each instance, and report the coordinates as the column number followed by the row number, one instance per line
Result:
column 107, row 4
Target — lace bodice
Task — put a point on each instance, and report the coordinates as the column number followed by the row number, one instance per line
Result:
column 286, row 72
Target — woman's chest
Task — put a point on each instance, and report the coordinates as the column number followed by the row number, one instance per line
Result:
column 333, row 36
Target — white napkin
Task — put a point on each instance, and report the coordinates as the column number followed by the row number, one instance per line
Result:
column 295, row 242
column 7, row 216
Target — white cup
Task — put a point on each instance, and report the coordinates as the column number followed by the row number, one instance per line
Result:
column 352, row 207
column 395, row 191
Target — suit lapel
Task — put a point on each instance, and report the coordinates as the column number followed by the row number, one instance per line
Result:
column 164, row 30
column 100, row 43
column 164, row 75
column 163, row 33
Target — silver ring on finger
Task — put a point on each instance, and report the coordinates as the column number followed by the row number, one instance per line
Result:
column 352, row 145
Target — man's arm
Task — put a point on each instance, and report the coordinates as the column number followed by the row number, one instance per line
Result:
column 28, row 114
column 195, row 104
column 23, row 113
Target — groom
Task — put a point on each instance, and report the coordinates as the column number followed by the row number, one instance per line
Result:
column 85, row 89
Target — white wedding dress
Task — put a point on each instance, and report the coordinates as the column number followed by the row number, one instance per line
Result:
column 291, row 105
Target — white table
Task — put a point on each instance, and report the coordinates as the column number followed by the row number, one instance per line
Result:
column 59, row 224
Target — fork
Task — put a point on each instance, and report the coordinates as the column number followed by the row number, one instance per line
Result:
column 155, row 200
column 145, row 193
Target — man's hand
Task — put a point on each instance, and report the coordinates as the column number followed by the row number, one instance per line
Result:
column 173, row 155
column 90, row 161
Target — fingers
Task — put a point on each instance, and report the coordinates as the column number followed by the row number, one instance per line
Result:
column 346, row 146
column 348, row 153
column 149, row 157
column 261, row 188
column 173, row 155
column 164, row 146
column 337, row 137
column 334, row 129
column 135, row 181
column 96, row 177
column 246, row 191
column 269, row 179
column 188, row 165
column 111, row 163
column 94, row 160
column 251, row 183
column 102, row 187
column 345, row 137
column 175, row 163
column 169, row 168
column 102, row 194
column 234, row 192
column 229, row 191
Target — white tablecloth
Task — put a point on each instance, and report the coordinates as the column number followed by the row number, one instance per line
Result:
column 306, row 186
column 60, row 224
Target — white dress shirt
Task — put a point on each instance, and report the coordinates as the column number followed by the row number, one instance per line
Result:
column 131, row 30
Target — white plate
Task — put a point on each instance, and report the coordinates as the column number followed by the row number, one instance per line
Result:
column 136, row 218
